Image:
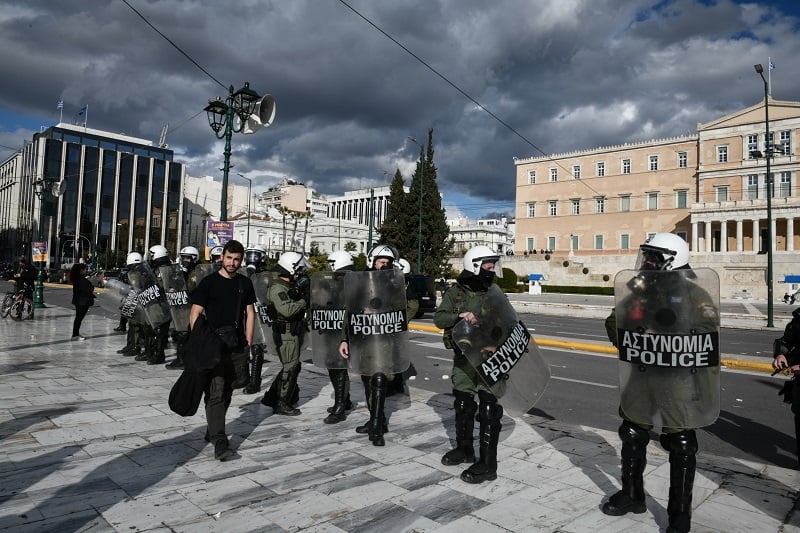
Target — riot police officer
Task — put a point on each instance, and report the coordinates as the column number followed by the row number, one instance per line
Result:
column 216, row 256
column 254, row 263
column 663, row 284
column 187, row 261
column 287, row 302
column 133, row 345
column 156, row 337
column 464, row 301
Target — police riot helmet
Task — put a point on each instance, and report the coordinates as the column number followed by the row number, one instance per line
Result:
column 215, row 253
column 382, row 250
column 339, row 260
column 134, row 258
column 404, row 265
column 663, row 251
column 157, row 252
column 253, row 256
column 477, row 256
column 189, row 256
column 292, row 263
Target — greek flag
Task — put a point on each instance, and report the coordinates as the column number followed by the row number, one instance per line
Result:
column 60, row 104
column 771, row 65
column 82, row 111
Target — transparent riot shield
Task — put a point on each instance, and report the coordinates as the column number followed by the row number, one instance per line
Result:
column 262, row 332
column 202, row 270
column 501, row 350
column 377, row 324
column 174, row 283
column 149, row 295
column 119, row 297
column 327, row 317
column 668, row 342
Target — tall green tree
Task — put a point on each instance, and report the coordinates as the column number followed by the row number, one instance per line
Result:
column 427, row 203
column 400, row 218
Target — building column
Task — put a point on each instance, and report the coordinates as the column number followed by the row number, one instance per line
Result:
column 694, row 236
column 756, row 236
column 723, row 236
column 708, row 236
column 774, row 238
column 790, row 234
column 739, row 235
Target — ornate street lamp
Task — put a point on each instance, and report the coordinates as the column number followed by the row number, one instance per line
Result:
column 44, row 186
column 243, row 111
column 768, row 156
column 421, row 180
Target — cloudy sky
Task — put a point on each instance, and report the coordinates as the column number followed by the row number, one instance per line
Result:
column 555, row 76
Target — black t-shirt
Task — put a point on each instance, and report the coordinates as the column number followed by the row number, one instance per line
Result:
column 217, row 295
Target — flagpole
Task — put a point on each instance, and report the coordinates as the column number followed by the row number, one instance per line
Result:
column 769, row 76
column 86, row 116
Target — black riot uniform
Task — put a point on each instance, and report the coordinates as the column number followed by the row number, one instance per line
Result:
column 189, row 256
column 681, row 443
column 155, row 339
column 134, row 338
column 254, row 261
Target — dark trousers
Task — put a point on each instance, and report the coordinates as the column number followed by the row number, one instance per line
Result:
column 80, row 313
column 218, row 394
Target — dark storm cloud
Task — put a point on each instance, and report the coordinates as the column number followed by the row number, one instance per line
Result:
column 566, row 75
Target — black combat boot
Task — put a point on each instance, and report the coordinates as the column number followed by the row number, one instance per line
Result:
column 289, row 383
column 364, row 428
column 339, row 380
column 159, row 343
column 464, row 452
column 682, row 448
column 630, row 498
column 256, row 364
column 130, row 343
column 377, row 419
column 485, row 469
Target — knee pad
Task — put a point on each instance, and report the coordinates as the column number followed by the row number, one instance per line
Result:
column 486, row 397
column 682, row 447
column 491, row 412
column 464, row 403
column 379, row 380
column 633, row 435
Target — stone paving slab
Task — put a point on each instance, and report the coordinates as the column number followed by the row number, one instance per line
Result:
column 89, row 444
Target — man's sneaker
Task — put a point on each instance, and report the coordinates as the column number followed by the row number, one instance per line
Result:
column 222, row 451
column 78, row 338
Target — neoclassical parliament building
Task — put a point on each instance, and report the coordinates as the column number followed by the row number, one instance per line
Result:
column 594, row 207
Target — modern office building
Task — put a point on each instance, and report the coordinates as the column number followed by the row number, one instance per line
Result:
column 355, row 205
column 102, row 195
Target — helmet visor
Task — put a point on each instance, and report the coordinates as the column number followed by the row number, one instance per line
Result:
column 497, row 265
column 653, row 258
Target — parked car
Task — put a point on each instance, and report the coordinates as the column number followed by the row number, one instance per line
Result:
column 425, row 287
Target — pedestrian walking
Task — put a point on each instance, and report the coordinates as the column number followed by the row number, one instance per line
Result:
column 82, row 297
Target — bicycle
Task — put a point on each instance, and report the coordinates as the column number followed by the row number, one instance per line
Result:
column 17, row 306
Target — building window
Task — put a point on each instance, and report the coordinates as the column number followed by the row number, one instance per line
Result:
column 600, row 205
column 652, row 201
column 624, row 242
column 553, row 208
column 653, row 162
column 681, row 199
column 752, row 146
column 531, row 177
column 531, row 210
column 721, row 193
column 529, row 244
column 625, row 203
column 576, row 172
column 722, row 154
column 683, row 160
column 576, row 207
column 626, row 166
column 601, row 169
column 752, row 187
column 785, row 185
column 573, row 242
column 551, row 243
column 553, row 174
column 784, row 144
column 598, row 242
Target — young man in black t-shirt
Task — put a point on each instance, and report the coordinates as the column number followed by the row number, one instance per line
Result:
column 216, row 295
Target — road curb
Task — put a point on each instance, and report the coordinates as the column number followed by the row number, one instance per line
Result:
column 734, row 364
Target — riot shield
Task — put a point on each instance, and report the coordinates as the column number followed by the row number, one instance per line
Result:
column 262, row 332
column 327, row 316
column 119, row 297
column 202, row 270
column 174, row 284
column 149, row 295
column 501, row 350
column 377, row 324
column 668, row 342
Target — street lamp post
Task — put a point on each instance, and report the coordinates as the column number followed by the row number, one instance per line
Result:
column 221, row 113
column 249, row 193
column 768, row 156
column 38, row 294
column 421, row 180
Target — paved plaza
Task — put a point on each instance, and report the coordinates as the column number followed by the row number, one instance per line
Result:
column 89, row 444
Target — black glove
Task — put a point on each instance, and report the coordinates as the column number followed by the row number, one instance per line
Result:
column 298, row 328
column 299, row 289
